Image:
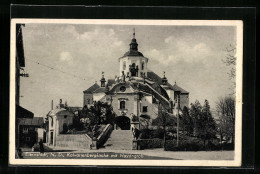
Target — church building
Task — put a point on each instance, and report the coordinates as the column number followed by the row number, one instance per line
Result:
column 137, row 91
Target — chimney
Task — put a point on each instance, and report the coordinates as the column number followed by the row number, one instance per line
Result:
column 60, row 105
column 51, row 104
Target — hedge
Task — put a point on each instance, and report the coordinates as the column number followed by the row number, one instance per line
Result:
column 150, row 143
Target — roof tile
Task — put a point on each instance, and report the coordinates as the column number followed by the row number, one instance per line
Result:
column 92, row 88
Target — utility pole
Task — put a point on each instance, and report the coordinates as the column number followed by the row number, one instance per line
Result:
column 178, row 106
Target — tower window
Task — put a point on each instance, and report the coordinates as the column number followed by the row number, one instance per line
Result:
column 122, row 104
column 143, row 66
column 51, row 122
column 124, row 65
column 145, row 108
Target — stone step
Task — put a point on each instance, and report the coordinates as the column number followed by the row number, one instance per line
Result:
column 120, row 140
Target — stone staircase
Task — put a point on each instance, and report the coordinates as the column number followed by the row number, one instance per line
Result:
column 120, row 140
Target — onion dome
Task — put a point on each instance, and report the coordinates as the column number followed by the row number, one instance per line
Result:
column 164, row 79
column 133, row 48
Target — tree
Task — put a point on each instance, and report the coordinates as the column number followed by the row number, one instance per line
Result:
column 209, row 124
column 230, row 61
column 144, row 121
column 101, row 113
column 163, row 120
column 226, row 110
column 109, row 113
column 186, row 121
column 204, row 123
column 195, row 114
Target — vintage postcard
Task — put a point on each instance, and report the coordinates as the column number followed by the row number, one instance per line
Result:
column 126, row 92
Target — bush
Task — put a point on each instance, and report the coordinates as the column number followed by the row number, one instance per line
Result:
column 158, row 133
column 192, row 144
column 135, row 118
column 145, row 134
column 150, row 143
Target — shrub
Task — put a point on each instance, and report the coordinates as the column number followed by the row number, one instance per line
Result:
column 145, row 134
column 150, row 143
column 135, row 118
column 158, row 133
column 192, row 144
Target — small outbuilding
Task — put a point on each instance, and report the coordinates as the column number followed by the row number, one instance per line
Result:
column 59, row 121
column 28, row 130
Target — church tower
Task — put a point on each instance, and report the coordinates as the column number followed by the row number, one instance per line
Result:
column 133, row 63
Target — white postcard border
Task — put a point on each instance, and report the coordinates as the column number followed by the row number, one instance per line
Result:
column 122, row 162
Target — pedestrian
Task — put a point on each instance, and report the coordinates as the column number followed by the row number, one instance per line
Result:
column 136, row 133
column 133, row 131
column 19, row 153
column 41, row 146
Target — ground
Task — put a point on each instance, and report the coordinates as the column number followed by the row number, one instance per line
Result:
column 132, row 154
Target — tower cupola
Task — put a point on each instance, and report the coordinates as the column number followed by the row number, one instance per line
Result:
column 103, row 80
column 133, row 62
column 133, row 44
column 164, row 79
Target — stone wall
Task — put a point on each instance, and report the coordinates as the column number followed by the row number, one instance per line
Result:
column 74, row 141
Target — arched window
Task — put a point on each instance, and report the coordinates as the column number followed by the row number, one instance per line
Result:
column 124, row 65
column 142, row 65
column 51, row 122
column 122, row 104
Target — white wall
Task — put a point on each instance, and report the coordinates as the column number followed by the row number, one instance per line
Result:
column 98, row 96
column 129, row 61
column 170, row 94
column 152, row 109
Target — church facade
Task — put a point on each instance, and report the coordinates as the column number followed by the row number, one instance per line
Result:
column 137, row 91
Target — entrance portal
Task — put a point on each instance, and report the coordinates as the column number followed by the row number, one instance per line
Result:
column 122, row 122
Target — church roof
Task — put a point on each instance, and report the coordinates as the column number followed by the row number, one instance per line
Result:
column 133, row 48
column 177, row 88
column 100, row 90
column 110, row 82
column 60, row 111
column 91, row 89
column 133, row 53
column 154, row 77
column 148, row 89
column 36, row 121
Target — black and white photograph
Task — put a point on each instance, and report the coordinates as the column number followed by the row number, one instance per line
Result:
column 126, row 92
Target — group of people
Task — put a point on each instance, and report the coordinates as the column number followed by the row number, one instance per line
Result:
column 19, row 152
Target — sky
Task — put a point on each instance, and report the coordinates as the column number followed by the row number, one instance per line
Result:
column 190, row 55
